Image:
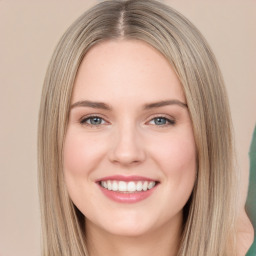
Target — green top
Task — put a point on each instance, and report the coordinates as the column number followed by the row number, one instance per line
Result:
column 251, row 198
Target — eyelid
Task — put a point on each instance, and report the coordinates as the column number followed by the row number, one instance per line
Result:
column 170, row 120
column 83, row 118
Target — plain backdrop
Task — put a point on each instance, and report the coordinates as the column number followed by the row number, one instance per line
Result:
column 29, row 31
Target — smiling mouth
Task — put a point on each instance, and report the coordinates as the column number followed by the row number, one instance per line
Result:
column 128, row 187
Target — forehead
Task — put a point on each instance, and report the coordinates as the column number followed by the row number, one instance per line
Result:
column 126, row 69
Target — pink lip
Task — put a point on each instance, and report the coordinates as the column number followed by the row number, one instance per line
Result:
column 125, row 178
column 122, row 197
column 127, row 197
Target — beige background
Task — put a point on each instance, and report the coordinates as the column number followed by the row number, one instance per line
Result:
column 30, row 29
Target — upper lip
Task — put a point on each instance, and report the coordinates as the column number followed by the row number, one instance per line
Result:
column 125, row 178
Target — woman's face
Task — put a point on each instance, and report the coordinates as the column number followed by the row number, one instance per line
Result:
column 129, row 152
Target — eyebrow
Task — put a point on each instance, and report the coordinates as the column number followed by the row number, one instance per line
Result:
column 91, row 104
column 165, row 103
column 104, row 106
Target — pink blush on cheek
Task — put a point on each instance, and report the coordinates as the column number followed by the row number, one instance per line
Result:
column 81, row 153
column 129, row 143
column 75, row 155
column 177, row 154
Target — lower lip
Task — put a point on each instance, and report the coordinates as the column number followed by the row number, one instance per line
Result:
column 127, row 197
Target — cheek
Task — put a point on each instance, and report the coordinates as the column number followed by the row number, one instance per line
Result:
column 81, row 153
column 177, row 160
column 176, row 154
column 176, row 157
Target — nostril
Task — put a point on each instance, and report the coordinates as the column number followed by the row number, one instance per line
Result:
column 127, row 155
column 127, row 148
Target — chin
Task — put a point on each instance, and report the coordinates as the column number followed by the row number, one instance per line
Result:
column 124, row 230
column 123, row 225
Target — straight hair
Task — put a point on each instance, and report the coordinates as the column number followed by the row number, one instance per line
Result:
column 210, row 213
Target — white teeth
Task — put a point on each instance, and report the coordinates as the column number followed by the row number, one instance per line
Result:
column 151, row 184
column 131, row 186
column 121, row 186
column 114, row 186
column 145, row 186
column 109, row 185
column 104, row 184
column 139, row 186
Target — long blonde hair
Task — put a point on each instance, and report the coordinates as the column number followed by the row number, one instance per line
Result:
column 210, row 212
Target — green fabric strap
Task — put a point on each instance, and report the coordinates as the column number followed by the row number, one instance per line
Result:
column 251, row 198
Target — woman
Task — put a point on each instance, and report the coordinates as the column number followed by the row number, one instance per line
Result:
column 135, row 143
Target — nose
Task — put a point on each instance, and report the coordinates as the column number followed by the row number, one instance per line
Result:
column 127, row 147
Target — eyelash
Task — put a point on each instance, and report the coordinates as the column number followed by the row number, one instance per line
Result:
column 85, row 119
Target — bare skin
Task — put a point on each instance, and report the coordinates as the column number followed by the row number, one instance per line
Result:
column 132, row 145
column 156, row 244
column 245, row 234
column 130, row 135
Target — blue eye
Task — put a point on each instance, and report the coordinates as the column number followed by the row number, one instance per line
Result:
column 92, row 121
column 97, row 121
column 162, row 121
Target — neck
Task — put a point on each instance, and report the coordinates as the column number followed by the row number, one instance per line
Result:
column 162, row 242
